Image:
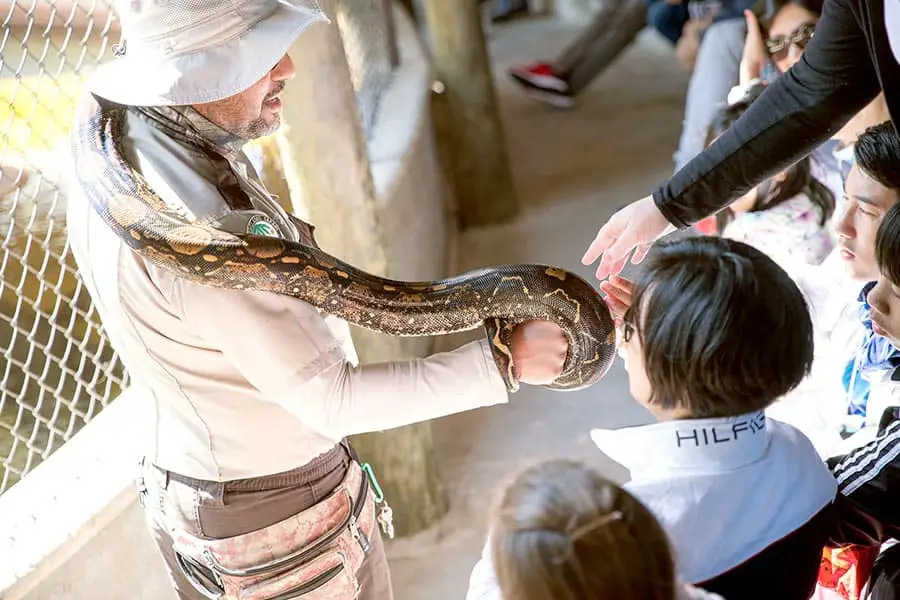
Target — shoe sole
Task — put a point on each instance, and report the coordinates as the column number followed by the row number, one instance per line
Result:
column 555, row 100
column 540, row 81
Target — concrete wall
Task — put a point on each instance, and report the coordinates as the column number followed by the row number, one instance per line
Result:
column 72, row 529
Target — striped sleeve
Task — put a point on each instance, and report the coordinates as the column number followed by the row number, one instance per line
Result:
column 869, row 477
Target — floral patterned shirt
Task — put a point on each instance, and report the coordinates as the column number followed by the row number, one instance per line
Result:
column 789, row 231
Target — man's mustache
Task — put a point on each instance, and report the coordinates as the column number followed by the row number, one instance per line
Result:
column 276, row 91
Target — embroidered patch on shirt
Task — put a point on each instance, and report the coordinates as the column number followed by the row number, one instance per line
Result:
column 262, row 225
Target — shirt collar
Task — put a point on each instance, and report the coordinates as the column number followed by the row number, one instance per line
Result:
column 187, row 119
column 689, row 445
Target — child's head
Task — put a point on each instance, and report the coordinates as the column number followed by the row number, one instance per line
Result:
column 795, row 180
column 871, row 189
column 884, row 298
column 561, row 531
column 716, row 329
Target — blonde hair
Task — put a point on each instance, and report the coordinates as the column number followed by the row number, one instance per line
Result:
column 561, row 531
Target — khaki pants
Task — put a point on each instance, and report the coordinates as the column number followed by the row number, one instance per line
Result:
column 215, row 510
column 613, row 29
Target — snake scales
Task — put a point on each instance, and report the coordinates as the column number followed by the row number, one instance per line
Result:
column 497, row 298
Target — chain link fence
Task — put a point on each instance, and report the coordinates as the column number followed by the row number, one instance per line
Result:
column 367, row 28
column 58, row 369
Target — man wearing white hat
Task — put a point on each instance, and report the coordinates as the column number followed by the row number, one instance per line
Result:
column 249, row 485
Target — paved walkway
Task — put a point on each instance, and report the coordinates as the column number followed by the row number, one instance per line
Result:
column 573, row 169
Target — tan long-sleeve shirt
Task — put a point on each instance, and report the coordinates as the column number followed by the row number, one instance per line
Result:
column 246, row 383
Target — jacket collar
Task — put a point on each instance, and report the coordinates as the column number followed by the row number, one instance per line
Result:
column 197, row 128
column 690, row 445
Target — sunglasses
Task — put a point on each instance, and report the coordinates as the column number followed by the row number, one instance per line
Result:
column 779, row 45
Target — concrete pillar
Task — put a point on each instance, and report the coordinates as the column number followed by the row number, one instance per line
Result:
column 326, row 165
column 479, row 162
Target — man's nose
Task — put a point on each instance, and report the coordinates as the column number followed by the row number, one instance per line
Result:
column 284, row 69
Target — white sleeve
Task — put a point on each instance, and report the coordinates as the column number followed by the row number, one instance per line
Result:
column 284, row 348
column 483, row 584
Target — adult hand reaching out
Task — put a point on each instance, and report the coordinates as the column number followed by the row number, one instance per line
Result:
column 637, row 225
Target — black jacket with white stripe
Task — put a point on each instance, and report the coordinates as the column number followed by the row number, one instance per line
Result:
column 868, row 503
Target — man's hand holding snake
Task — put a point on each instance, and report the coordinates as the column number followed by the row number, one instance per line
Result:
column 539, row 351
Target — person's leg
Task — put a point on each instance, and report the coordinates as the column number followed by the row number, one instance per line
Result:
column 613, row 29
column 715, row 73
column 667, row 19
column 504, row 10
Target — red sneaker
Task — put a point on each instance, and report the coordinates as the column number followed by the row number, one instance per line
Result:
column 540, row 81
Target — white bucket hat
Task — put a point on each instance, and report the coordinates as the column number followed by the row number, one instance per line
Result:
column 178, row 52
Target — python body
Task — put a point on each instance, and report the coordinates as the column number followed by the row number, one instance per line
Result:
column 498, row 298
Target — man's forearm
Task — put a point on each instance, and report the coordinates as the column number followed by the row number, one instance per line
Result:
column 343, row 400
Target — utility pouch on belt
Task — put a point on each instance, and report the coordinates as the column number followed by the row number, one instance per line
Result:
column 314, row 555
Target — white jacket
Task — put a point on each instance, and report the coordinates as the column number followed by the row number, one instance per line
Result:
column 699, row 478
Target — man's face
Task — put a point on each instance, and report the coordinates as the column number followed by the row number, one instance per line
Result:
column 255, row 112
column 865, row 204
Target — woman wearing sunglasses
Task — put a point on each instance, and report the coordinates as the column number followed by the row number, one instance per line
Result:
column 853, row 56
column 778, row 32
column 777, row 40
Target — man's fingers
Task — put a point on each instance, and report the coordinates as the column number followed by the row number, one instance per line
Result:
column 593, row 251
column 607, row 236
column 610, row 264
column 599, row 245
column 640, row 253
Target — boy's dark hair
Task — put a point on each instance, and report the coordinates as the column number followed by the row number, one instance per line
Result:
column 887, row 245
column 877, row 154
column 798, row 180
column 724, row 330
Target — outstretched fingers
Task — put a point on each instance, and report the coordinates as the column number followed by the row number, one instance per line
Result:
column 605, row 240
column 618, row 292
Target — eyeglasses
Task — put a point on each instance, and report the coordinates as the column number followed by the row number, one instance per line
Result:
column 779, row 45
column 627, row 325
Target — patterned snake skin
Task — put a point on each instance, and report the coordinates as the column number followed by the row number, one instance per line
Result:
column 497, row 298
